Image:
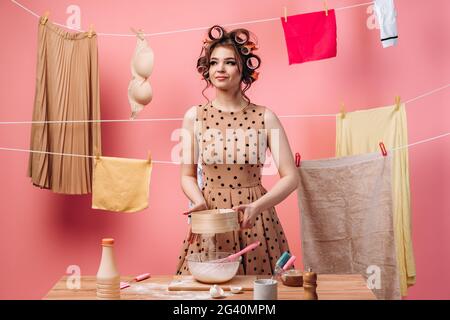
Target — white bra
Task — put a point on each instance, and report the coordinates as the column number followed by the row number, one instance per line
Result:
column 140, row 92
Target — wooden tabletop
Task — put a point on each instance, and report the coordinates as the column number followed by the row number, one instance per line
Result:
column 329, row 287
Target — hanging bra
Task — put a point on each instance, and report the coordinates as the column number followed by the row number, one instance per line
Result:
column 140, row 92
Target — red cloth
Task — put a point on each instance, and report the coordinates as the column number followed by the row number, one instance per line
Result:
column 310, row 36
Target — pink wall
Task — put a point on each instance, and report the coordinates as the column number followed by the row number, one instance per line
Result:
column 42, row 233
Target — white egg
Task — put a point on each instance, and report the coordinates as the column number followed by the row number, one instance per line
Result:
column 216, row 292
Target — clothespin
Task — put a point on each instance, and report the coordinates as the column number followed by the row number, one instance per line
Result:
column 343, row 110
column 139, row 33
column 97, row 154
column 325, row 4
column 91, row 31
column 44, row 18
column 297, row 159
column 285, row 13
column 383, row 149
column 397, row 103
column 149, row 158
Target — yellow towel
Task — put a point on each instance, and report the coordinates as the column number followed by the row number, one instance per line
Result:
column 361, row 132
column 121, row 184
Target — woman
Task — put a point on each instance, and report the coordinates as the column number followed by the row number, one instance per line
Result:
column 231, row 135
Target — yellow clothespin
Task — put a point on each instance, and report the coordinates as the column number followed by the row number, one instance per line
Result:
column 397, row 103
column 149, row 158
column 285, row 13
column 325, row 4
column 91, row 31
column 44, row 18
column 342, row 111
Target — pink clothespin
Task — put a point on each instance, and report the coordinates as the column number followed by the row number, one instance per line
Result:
column 297, row 159
column 383, row 149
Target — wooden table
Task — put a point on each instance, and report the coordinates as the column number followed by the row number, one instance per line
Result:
column 329, row 287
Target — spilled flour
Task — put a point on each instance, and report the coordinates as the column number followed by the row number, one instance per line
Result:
column 160, row 291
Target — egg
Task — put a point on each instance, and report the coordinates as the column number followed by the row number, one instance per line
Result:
column 216, row 292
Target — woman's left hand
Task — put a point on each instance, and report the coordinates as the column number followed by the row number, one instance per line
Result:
column 250, row 212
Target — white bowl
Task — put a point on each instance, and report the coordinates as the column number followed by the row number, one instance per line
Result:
column 235, row 289
column 204, row 268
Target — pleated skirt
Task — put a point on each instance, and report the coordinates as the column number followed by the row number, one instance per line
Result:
column 67, row 89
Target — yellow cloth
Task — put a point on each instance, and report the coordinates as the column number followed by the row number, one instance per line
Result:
column 121, row 184
column 361, row 132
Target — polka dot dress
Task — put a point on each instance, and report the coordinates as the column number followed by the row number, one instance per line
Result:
column 232, row 164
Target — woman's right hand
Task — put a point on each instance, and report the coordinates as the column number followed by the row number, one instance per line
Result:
column 191, row 237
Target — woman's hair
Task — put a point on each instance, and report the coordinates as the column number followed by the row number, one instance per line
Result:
column 240, row 40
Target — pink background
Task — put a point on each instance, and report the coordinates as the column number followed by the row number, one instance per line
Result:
column 42, row 233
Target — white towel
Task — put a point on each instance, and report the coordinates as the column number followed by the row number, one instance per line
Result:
column 387, row 19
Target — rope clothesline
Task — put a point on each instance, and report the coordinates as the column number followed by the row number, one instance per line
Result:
column 174, row 162
column 72, row 154
column 180, row 119
column 334, row 115
column 180, row 30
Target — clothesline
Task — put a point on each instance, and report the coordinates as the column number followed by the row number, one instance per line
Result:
column 72, row 154
column 174, row 162
column 180, row 119
column 181, row 30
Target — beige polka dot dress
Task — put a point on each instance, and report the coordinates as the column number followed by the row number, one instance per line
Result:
column 232, row 165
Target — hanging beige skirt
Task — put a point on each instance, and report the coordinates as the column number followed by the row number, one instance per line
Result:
column 67, row 89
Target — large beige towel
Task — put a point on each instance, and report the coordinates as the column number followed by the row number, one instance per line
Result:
column 360, row 132
column 346, row 213
column 121, row 184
